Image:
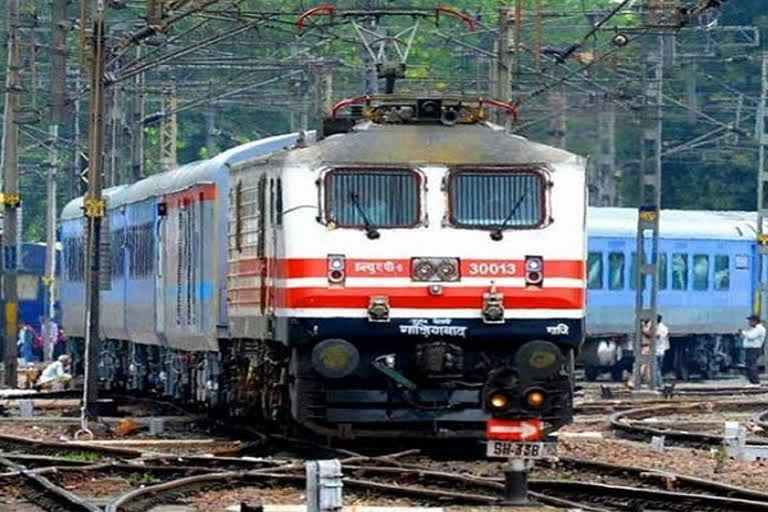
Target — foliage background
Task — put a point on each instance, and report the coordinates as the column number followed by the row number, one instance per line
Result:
column 722, row 176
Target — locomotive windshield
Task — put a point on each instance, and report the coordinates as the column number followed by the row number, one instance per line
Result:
column 497, row 199
column 372, row 197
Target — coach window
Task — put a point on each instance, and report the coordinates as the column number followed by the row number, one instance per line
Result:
column 616, row 271
column 662, row 270
column 700, row 272
column 595, row 271
column 722, row 272
column 272, row 202
column 27, row 286
column 279, row 202
column 383, row 198
column 262, row 216
column 495, row 199
column 239, row 216
column 679, row 271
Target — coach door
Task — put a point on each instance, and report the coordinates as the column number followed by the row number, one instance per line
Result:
column 160, row 269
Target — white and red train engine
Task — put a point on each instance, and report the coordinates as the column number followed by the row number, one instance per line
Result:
column 412, row 274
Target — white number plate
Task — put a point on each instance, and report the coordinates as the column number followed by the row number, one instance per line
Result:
column 518, row 450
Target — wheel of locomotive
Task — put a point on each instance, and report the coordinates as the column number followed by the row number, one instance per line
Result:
column 617, row 373
column 591, row 373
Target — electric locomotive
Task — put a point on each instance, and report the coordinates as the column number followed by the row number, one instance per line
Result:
column 411, row 273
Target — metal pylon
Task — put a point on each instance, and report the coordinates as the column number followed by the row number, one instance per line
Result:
column 646, row 299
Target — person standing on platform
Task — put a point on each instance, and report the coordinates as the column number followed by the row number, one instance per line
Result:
column 754, row 339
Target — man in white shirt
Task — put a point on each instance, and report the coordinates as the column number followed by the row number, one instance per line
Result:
column 55, row 373
column 754, row 339
column 662, row 345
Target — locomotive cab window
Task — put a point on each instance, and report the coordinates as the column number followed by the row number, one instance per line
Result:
column 493, row 199
column 382, row 198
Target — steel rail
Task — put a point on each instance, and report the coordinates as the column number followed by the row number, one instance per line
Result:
column 628, row 422
column 63, row 497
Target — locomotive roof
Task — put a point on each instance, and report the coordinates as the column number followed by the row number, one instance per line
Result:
column 683, row 224
column 384, row 144
column 184, row 176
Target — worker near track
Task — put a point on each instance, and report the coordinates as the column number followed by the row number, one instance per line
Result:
column 754, row 339
column 55, row 374
column 662, row 345
column 49, row 330
column 24, row 345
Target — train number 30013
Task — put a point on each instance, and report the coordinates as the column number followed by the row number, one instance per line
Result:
column 492, row 269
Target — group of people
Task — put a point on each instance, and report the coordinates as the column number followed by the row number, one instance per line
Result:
column 45, row 346
column 753, row 342
column 48, row 346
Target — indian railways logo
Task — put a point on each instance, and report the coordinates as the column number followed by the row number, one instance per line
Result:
column 421, row 327
column 558, row 330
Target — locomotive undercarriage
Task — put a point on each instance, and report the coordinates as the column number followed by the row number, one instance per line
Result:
column 431, row 389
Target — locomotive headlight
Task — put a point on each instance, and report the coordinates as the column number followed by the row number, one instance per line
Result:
column 335, row 358
column 533, row 263
column 336, row 268
column 535, row 398
column 534, row 266
column 538, row 359
column 423, row 270
column 498, row 401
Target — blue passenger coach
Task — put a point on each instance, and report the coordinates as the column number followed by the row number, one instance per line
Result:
column 31, row 288
column 706, row 282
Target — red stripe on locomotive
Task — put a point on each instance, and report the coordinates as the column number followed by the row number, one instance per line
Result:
column 414, row 298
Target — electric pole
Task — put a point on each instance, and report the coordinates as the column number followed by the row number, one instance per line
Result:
column 94, row 209
column 10, row 195
column 503, row 68
column 58, row 53
column 762, row 190
column 168, row 128
column 646, row 305
column 137, row 125
column 210, row 123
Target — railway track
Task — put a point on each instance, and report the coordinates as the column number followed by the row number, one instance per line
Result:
column 175, row 478
column 760, row 419
column 36, row 488
column 438, row 487
column 629, row 423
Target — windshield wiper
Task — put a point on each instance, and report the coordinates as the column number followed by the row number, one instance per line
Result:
column 370, row 231
column 497, row 234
